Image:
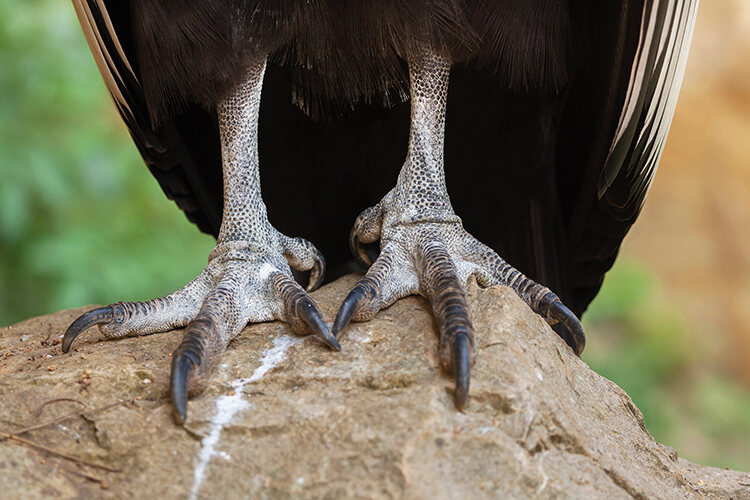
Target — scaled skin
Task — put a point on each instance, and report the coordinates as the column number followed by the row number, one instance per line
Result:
column 424, row 247
column 248, row 278
column 424, row 250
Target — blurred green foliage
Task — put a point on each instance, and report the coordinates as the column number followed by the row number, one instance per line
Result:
column 82, row 221
column 641, row 341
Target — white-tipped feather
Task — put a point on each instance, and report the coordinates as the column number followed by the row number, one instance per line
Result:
column 104, row 61
column 655, row 79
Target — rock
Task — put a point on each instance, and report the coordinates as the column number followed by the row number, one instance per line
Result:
column 285, row 416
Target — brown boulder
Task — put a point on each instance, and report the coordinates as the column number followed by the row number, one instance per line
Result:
column 285, row 416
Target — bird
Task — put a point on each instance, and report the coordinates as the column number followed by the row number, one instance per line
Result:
column 508, row 142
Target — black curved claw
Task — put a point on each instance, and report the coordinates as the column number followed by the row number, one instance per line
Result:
column 98, row 316
column 182, row 367
column 358, row 249
column 558, row 311
column 185, row 359
column 318, row 272
column 349, row 307
column 310, row 314
column 461, row 353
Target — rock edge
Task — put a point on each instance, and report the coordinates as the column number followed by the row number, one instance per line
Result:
column 284, row 416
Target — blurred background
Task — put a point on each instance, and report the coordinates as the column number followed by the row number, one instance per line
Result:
column 83, row 222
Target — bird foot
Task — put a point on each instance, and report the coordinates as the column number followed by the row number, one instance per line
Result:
column 430, row 254
column 244, row 282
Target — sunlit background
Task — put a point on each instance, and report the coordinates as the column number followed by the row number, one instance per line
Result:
column 83, row 222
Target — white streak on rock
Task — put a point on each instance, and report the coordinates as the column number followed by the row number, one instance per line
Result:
column 228, row 406
column 364, row 338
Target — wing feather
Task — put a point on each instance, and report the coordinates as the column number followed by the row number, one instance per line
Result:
column 656, row 76
column 638, row 73
column 186, row 166
column 101, row 38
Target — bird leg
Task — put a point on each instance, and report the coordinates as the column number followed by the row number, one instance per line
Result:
column 248, row 277
column 424, row 248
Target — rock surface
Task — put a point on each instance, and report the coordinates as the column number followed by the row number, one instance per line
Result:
column 284, row 416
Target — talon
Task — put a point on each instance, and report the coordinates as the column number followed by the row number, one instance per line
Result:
column 560, row 312
column 544, row 302
column 310, row 314
column 182, row 368
column 461, row 353
column 318, row 272
column 366, row 230
column 448, row 299
column 358, row 249
column 185, row 359
column 350, row 305
column 98, row 316
column 301, row 312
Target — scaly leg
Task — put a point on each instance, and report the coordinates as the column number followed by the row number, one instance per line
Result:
column 248, row 277
column 424, row 247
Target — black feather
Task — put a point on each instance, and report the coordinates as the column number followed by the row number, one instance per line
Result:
column 557, row 112
column 339, row 51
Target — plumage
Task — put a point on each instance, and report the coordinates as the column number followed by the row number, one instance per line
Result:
column 557, row 112
column 564, row 106
column 338, row 52
column 626, row 65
